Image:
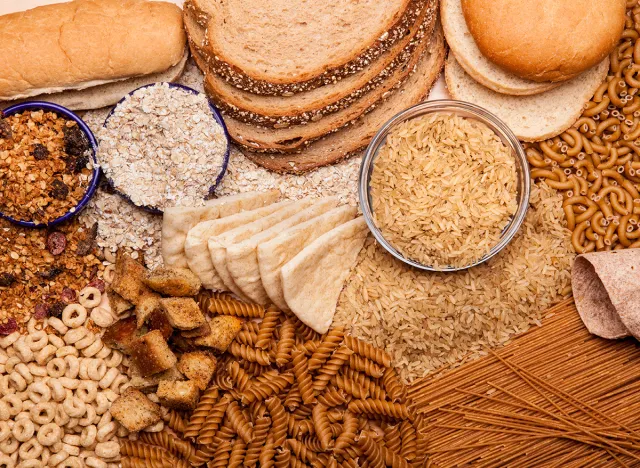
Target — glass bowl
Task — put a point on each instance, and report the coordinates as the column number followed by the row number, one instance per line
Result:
column 217, row 116
column 93, row 183
column 462, row 109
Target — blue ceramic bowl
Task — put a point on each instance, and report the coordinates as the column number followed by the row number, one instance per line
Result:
column 218, row 118
column 93, row 184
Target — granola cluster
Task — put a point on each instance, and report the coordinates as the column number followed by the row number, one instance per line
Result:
column 45, row 166
column 42, row 271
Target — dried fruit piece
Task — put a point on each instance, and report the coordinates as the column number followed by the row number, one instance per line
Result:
column 68, row 295
column 41, row 311
column 56, row 309
column 85, row 246
column 7, row 279
column 56, row 242
column 40, row 152
column 50, row 274
column 59, row 190
column 9, row 327
column 96, row 283
column 75, row 142
column 5, row 130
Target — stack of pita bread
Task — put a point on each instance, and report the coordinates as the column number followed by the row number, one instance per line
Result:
column 293, row 254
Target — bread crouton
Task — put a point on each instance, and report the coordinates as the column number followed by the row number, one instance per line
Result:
column 121, row 334
column 149, row 384
column 199, row 367
column 134, row 410
column 147, row 304
column 158, row 321
column 224, row 329
column 127, row 280
column 183, row 312
column 151, row 354
column 179, row 395
column 118, row 303
column 202, row 330
column 173, row 281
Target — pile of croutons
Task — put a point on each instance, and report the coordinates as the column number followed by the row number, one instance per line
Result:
column 162, row 318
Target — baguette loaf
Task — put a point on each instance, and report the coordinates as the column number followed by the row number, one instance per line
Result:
column 324, row 41
column 357, row 134
column 87, row 43
column 297, row 137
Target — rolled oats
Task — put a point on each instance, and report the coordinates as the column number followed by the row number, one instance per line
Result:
column 45, row 166
column 162, row 147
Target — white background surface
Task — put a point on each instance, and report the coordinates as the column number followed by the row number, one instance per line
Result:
column 9, row 6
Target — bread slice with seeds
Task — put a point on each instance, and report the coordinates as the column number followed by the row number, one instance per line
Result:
column 357, row 135
column 289, row 46
column 312, row 105
column 295, row 138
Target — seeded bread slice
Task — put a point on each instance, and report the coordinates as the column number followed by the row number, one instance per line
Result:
column 283, row 111
column 357, row 135
column 288, row 46
column 295, row 138
column 477, row 65
column 532, row 118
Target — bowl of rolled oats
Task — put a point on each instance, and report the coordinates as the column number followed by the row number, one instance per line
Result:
column 48, row 167
column 164, row 145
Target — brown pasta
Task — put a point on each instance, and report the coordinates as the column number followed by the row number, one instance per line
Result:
column 132, row 448
column 392, row 438
column 236, row 308
column 293, row 398
column 253, row 368
column 394, row 388
column 368, row 351
column 268, row 453
column 247, row 337
column 350, row 386
column 172, row 444
column 239, row 422
column 135, row 462
column 371, row 451
column 238, row 452
column 331, row 368
column 199, row 415
column 367, row 366
column 260, row 431
column 304, row 379
column 267, row 328
column 213, row 420
column 175, row 421
column 249, row 354
column 280, row 420
column 301, row 451
column 304, row 331
column 283, row 458
column 311, row 442
column 322, row 425
column 225, row 433
column 393, row 459
column 221, row 456
column 331, row 398
column 285, row 343
column 409, row 440
column 329, row 343
column 348, row 435
column 269, row 383
column 380, row 408
column 240, row 378
column 295, row 462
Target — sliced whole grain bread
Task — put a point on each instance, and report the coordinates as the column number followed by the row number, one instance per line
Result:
column 295, row 138
column 308, row 106
column 477, row 65
column 289, row 46
column 357, row 134
column 532, row 118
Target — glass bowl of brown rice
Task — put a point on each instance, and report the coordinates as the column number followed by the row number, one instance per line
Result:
column 444, row 185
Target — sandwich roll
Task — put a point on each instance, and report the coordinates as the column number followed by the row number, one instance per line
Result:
column 88, row 43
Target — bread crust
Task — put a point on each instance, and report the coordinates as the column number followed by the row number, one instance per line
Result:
column 355, row 136
column 295, row 110
column 545, row 40
column 85, row 43
column 326, row 74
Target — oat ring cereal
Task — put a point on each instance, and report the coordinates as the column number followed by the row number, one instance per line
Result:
column 74, row 315
column 102, row 317
column 90, row 297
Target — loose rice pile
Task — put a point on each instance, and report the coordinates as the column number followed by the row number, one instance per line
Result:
column 443, row 188
column 429, row 320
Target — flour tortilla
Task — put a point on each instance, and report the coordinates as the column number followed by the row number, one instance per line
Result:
column 313, row 279
column 218, row 244
column 177, row 221
column 606, row 289
column 196, row 248
column 274, row 254
column 242, row 258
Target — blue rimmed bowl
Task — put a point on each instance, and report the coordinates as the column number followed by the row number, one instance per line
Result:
column 93, row 183
column 217, row 117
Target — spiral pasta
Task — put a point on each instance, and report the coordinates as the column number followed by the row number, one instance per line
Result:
column 322, row 425
column 232, row 307
column 175, row 421
column 368, row 351
column 350, row 386
column 267, row 328
column 301, row 451
column 213, row 420
column 332, row 398
column 329, row 343
column 238, row 452
column 240, row 378
column 285, row 343
column 249, row 354
column 304, row 379
column 394, row 388
column 283, row 458
column 392, row 438
column 221, row 456
column 367, row 366
column 135, row 462
column 280, row 420
column 199, row 415
column 409, row 440
column 380, row 408
column 260, row 431
column 331, row 368
column 371, row 451
column 267, row 384
column 239, row 422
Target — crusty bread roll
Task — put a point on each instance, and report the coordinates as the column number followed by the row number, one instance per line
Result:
column 545, row 40
column 86, row 43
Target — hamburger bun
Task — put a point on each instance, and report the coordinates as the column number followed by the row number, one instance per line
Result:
column 545, row 40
